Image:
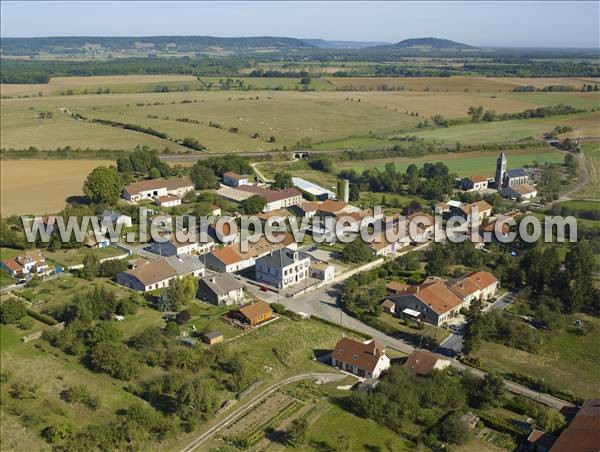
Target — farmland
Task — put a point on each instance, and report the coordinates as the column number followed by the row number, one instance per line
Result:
column 42, row 186
column 591, row 153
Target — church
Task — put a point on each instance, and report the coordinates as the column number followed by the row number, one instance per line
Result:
column 513, row 183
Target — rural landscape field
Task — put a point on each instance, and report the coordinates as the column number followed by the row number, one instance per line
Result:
column 435, row 284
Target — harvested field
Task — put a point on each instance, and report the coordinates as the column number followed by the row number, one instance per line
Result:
column 42, row 186
column 58, row 84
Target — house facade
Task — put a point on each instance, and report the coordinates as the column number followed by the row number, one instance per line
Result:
column 168, row 201
column 173, row 247
column 222, row 289
column 228, row 260
column 473, row 183
column 364, row 359
column 235, row 180
column 477, row 285
column 152, row 275
column 282, row 268
column 30, row 262
column 276, row 199
column 156, row 188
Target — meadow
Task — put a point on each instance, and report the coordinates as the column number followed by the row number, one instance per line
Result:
column 591, row 153
column 42, row 186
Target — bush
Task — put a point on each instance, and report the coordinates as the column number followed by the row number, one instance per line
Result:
column 11, row 311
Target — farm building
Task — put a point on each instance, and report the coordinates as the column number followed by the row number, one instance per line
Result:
column 365, row 359
column 276, row 199
column 221, row 289
column 155, row 188
column 312, row 190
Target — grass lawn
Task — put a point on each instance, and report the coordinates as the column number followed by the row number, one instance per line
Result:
column 465, row 163
column 412, row 330
column 564, row 357
column 75, row 256
column 6, row 279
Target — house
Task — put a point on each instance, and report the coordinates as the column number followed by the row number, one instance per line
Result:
column 216, row 210
column 276, row 199
column 473, row 183
column 221, row 289
column 313, row 190
column 235, row 180
column 222, row 231
column 364, row 359
column 116, row 218
column 388, row 306
column 420, row 226
column 322, row 271
column 540, row 441
column 174, row 247
column 228, row 260
column 30, row 262
column 212, row 338
column 583, row 433
column 522, row 192
column 395, row 287
column 381, row 246
column 477, row 285
column 422, row 362
column 155, row 188
column 152, row 275
column 168, row 201
column 253, row 314
column 306, row 209
column 282, row 268
column 433, row 300
column 474, row 213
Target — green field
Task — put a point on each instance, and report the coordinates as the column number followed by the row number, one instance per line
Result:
column 466, row 163
column 564, row 357
column 591, row 152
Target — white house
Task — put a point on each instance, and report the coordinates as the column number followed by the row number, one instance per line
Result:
column 153, row 275
column 474, row 183
column 168, row 201
column 276, row 199
column 222, row 289
column 235, row 180
column 30, row 262
column 156, row 188
column 364, row 359
column 282, row 268
column 322, row 271
column 228, row 260
column 173, row 247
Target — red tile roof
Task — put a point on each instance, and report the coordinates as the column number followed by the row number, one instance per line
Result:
column 583, row 433
column 421, row 362
column 227, row 255
column 270, row 195
column 363, row 355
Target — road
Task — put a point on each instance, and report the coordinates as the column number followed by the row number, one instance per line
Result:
column 582, row 180
column 231, row 417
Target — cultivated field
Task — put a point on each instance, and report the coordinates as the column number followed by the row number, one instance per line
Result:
column 59, row 84
column 42, row 186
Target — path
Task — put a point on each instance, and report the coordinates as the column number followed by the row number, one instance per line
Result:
column 198, row 441
column 582, row 180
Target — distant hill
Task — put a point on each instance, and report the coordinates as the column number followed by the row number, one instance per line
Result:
column 431, row 43
column 79, row 44
column 324, row 44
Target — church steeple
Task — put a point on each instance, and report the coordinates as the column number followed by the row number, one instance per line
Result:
column 500, row 170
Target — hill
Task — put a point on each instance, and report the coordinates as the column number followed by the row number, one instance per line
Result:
column 432, row 43
column 325, row 44
column 87, row 44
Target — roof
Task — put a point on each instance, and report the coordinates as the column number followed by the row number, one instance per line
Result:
column 396, row 286
column 235, row 194
column 331, row 206
column 517, row 172
column 236, row 176
column 167, row 198
column 540, row 438
column 254, row 310
column 387, row 303
column 184, row 264
column 434, row 294
column 524, row 189
column 270, row 195
column 476, row 179
column 227, row 255
column 364, row 355
column 421, row 362
column 12, row 265
column 30, row 256
column 481, row 206
column 213, row 334
column 311, row 188
column 221, row 284
column 153, row 272
column 583, row 433
column 136, row 188
column 282, row 257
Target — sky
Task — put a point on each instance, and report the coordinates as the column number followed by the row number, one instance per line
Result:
column 485, row 23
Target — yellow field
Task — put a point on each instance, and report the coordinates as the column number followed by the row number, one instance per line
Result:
column 42, row 186
column 456, row 84
column 57, row 84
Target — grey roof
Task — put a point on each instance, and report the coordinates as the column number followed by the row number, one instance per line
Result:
column 509, row 192
column 222, row 283
column 213, row 334
column 517, row 172
column 184, row 264
column 281, row 258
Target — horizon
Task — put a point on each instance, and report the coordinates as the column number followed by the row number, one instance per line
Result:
column 482, row 24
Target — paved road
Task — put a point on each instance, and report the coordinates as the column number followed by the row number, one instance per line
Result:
column 198, row 441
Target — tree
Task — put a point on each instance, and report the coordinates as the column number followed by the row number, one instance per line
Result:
column 354, row 193
column 182, row 317
column 437, row 260
column 174, row 296
column 282, row 180
column 253, row 205
column 579, row 268
column 296, row 432
column 196, row 399
column 490, row 391
column 57, row 433
column 489, row 116
column 356, row 252
column 91, row 267
column 154, row 173
column 454, row 429
column 11, row 311
column 103, row 185
column 203, row 177
column 549, row 420
column 116, row 360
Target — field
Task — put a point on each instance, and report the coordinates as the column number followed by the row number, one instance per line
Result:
column 60, row 84
column 238, row 121
column 465, row 163
column 591, row 152
column 565, row 357
column 42, row 186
